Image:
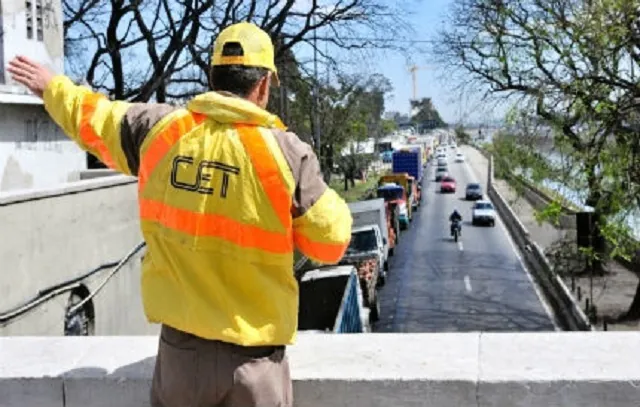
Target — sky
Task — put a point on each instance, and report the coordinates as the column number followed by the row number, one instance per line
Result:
column 427, row 17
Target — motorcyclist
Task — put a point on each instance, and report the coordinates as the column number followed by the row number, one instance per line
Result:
column 456, row 217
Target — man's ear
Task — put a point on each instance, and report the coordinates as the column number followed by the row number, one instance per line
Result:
column 264, row 85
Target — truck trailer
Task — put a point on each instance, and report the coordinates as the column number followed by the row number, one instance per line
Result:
column 409, row 160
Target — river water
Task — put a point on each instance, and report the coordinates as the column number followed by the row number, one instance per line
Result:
column 632, row 218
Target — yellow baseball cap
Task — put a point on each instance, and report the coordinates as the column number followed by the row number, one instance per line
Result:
column 257, row 48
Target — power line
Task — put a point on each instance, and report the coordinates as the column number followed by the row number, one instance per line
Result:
column 370, row 39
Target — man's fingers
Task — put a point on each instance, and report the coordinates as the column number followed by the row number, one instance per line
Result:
column 27, row 61
column 23, row 79
column 18, row 65
column 19, row 71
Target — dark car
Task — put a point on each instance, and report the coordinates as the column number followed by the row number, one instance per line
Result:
column 441, row 172
column 473, row 192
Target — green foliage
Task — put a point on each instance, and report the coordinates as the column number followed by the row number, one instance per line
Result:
column 462, row 136
column 426, row 113
column 389, row 126
column 551, row 213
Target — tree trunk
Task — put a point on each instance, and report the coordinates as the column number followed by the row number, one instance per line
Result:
column 634, row 309
column 327, row 160
column 594, row 200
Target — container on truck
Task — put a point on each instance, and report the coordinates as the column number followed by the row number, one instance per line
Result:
column 408, row 160
column 414, row 195
column 331, row 301
column 367, row 264
column 366, row 253
column 396, row 206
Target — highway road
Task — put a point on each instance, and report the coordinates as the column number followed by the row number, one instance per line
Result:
column 477, row 284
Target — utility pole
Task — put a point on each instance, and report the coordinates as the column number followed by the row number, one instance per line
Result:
column 316, row 126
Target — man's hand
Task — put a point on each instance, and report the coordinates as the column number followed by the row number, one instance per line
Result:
column 31, row 74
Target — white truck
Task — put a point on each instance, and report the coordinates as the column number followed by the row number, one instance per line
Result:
column 370, row 232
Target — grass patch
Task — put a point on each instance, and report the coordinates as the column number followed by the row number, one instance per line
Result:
column 356, row 193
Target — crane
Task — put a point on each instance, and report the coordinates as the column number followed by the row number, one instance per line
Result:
column 413, row 69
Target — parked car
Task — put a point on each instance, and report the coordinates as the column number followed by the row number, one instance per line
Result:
column 448, row 184
column 459, row 158
column 483, row 213
column 473, row 192
column 441, row 172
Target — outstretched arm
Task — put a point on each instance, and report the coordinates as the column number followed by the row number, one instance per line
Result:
column 321, row 219
column 113, row 131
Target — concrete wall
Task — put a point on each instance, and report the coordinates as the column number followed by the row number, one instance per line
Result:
column 34, row 152
column 365, row 370
column 49, row 236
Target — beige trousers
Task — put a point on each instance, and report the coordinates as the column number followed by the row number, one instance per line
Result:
column 195, row 372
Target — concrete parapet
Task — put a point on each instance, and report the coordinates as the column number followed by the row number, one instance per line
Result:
column 471, row 369
column 97, row 173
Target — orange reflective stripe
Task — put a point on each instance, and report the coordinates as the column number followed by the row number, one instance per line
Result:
column 268, row 172
column 87, row 133
column 212, row 225
column 163, row 142
column 325, row 252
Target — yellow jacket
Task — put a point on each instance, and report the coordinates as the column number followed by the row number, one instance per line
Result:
column 225, row 195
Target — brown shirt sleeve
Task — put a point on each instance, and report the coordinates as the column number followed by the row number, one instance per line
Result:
column 136, row 124
column 306, row 172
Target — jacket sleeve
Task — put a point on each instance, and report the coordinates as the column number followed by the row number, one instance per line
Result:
column 322, row 220
column 113, row 131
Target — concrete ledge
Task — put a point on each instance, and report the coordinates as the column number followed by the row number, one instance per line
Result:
column 97, row 173
column 472, row 369
column 9, row 198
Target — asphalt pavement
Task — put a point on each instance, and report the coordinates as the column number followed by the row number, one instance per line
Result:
column 478, row 284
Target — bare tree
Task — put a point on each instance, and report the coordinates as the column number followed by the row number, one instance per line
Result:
column 160, row 49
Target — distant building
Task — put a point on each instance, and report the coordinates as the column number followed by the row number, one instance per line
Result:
column 34, row 152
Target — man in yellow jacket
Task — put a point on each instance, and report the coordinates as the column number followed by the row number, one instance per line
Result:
column 225, row 194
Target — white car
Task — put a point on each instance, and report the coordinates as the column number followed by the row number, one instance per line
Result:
column 483, row 213
column 459, row 158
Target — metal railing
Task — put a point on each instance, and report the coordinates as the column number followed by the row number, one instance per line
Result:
column 349, row 318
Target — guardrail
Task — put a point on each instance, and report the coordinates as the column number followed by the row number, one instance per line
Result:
column 567, row 310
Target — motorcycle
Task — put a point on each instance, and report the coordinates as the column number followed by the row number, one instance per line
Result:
column 455, row 229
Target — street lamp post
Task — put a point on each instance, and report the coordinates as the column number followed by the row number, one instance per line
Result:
column 316, row 126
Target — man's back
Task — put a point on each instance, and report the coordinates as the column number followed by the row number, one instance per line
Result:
column 220, row 232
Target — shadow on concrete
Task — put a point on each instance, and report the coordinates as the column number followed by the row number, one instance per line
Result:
column 129, row 385
column 140, row 369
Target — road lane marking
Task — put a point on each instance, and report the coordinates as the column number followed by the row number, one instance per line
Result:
column 536, row 288
column 467, row 283
column 460, row 246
